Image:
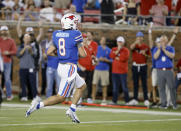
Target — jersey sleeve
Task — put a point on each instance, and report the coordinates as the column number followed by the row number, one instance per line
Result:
column 78, row 37
column 54, row 38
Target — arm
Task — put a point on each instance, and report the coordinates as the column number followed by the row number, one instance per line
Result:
column 132, row 46
column 18, row 28
column 169, row 54
column 175, row 31
column 125, row 12
column 124, row 56
column 38, row 38
column 157, row 53
column 51, row 50
column 150, row 36
column 81, row 50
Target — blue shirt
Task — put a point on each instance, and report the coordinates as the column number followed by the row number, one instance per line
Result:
column 79, row 4
column 153, row 60
column 52, row 61
column 66, row 43
column 163, row 60
column 101, row 52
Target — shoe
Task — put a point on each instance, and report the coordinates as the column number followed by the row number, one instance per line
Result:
column 163, row 107
column 35, row 105
column 72, row 115
column 174, row 107
column 24, row 99
column 104, row 102
column 154, row 105
column 146, row 103
column 112, row 103
column 126, row 104
column 89, row 100
column 10, row 98
column 133, row 102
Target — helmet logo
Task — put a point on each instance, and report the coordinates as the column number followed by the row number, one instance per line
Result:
column 70, row 17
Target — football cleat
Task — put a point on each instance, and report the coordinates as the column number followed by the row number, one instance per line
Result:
column 35, row 105
column 72, row 115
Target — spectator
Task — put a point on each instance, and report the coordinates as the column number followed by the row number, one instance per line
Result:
column 79, row 4
column 34, row 40
column 145, row 6
column 178, row 11
column 7, row 10
column 62, row 4
column 101, row 71
column 47, row 13
column 38, row 3
column 30, row 14
column 72, row 10
column 52, row 64
column 140, row 53
column 86, row 64
column 132, row 8
column 8, row 49
column 1, row 72
column 8, row 3
column 26, row 53
column 154, row 70
column 17, row 9
column 163, row 56
column 159, row 11
column 178, row 76
column 107, row 8
column 120, row 56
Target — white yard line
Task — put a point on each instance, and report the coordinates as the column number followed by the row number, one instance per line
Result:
column 90, row 122
column 146, row 112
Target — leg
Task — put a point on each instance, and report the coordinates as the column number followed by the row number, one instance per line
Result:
column 135, row 74
column 95, row 81
column 23, row 73
column 171, row 86
column 32, row 80
column 88, row 79
column 50, row 81
column 104, row 93
column 7, row 73
column 116, row 85
column 144, row 81
column 161, row 85
column 104, row 75
column 44, row 80
column 93, row 92
column 124, row 87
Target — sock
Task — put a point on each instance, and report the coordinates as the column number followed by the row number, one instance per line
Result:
column 73, row 107
column 40, row 105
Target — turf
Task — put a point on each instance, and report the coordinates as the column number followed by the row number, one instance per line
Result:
column 12, row 119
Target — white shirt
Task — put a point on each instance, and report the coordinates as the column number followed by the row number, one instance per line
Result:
column 47, row 13
column 8, row 3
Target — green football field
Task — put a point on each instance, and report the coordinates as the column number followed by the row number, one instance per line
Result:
column 12, row 118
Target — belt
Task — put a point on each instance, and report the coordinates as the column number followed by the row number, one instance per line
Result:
column 164, row 69
column 134, row 63
column 68, row 63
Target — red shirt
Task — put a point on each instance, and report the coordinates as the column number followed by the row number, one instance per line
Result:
column 87, row 61
column 179, row 65
column 120, row 61
column 178, row 6
column 137, row 56
column 7, row 45
column 147, row 4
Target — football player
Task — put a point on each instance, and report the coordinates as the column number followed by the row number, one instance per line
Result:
column 67, row 44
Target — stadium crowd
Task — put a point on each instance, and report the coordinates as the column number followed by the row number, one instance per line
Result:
column 136, row 12
column 95, row 67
